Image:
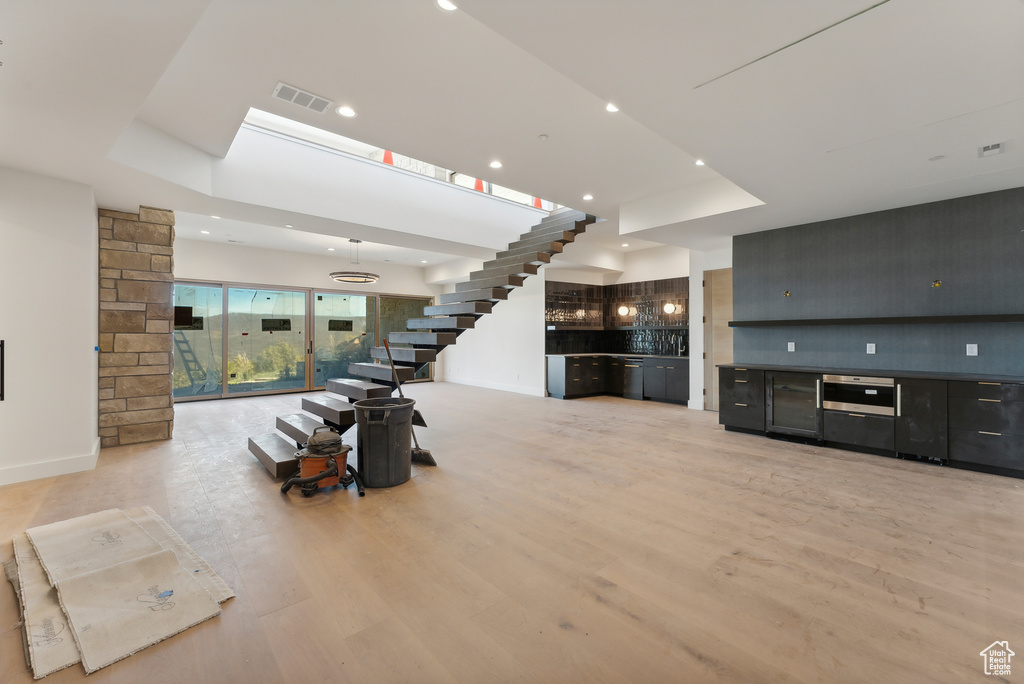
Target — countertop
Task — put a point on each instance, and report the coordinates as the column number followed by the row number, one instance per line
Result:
column 632, row 356
column 882, row 373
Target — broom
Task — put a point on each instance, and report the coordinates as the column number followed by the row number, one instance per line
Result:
column 418, row 455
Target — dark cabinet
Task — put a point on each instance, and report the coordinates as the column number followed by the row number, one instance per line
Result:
column 614, row 379
column 633, row 378
column 921, row 418
column 859, row 429
column 793, row 404
column 741, row 398
column 569, row 376
column 666, row 379
column 986, row 424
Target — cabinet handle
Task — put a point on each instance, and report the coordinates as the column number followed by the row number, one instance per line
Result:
column 997, row 384
column 994, row 434
column 741, row 405
column 629, row 365
column 575, row 364
column 743, row 381
column 739, row 369
column 899, row 400
column 575, row 379
column 856, row 415
column 996, row 401
column 817, row 393
column 660, row 367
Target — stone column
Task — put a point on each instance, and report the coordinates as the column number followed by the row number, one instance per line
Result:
column 136, row 316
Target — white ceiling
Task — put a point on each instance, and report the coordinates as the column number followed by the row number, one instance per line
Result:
column 803, row 110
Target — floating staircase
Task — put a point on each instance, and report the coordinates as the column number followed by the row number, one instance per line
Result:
column 439, row 327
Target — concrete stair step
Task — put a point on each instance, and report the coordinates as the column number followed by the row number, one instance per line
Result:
column 381, row 371
column 560, row 237
column 436, row 340
column 441, row 323
column 405, row 355
column 335, row 412
column 569, row 224
column 274, row 453
column 298, row 426
column 544, row 248
column 507, row 281
column 355, row 390
column 487, row 294
column 458, row 309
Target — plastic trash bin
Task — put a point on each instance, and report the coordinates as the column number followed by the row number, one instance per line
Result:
column 384, row 439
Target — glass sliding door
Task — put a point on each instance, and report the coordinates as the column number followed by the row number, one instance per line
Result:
column 266, row 340
column 198, row 340
column 395, row 312
column 344, row 330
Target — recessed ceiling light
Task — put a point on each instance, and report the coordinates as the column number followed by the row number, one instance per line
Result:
column 330, row 249
column 542, row 137
column 625, row 244
column 446, row 5
column 212, row 216
column 288, row 225
column 699, row 162
column 495, row 164
column 346, row 111
column 423, row 261
column 611, row 108
column 205, row 232
column 588, row 197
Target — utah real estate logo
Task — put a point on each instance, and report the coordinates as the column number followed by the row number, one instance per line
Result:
column 997, row 658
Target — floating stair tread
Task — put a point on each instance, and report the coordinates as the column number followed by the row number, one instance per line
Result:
column 537, row 257
column 298, row 426
column 380, row 371
column 274, row 453
column 458, row 309
column 441, row 323
column 422, row 339
column 358, row 389
column 560, row 237
column 547, row 247
column 487, row 294
column 405, row 354
column 501, row 281
column 518, row 269
column 331, row 410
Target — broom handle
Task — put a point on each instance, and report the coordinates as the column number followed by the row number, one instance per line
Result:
column 394, row 372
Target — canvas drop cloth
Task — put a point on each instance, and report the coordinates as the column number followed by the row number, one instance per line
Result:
column 101, row 587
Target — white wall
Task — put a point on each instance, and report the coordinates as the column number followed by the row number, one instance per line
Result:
column 506, row 349
column 196, row 260
column 49, row 302
column 656, row 263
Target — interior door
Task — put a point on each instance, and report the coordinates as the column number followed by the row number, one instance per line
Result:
column 717, row 333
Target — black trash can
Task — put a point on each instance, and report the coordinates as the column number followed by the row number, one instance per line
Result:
column 384, row 439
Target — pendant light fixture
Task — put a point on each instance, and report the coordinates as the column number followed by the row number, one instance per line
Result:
column 352, row 275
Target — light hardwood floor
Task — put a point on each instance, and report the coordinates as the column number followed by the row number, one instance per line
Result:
column 593, row 540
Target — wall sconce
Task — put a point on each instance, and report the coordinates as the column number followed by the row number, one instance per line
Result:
column 786, row 293
column 936, row 283
column 623, row 310
column 669, row 308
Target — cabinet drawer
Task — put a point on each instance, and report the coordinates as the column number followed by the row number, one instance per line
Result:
column 1004, row 391
column 991, row 415
column 741, row 415
column 742, row 391
column 984, row 448
column 860, row 429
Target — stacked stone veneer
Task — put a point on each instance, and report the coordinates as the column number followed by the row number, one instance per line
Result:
column 136, row 323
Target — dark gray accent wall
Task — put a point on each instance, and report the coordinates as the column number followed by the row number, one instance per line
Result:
column 883, row 265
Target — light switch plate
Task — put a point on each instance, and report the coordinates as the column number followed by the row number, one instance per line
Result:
column 791, row 346
column 871, row 347
column 972, row 350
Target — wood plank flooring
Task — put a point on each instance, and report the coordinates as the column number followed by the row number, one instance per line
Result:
column 592, row 540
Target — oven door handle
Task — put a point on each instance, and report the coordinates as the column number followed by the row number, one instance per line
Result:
column 899, row 400
column 817, row 393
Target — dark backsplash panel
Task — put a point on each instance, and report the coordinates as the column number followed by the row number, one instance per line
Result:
column 588, row 322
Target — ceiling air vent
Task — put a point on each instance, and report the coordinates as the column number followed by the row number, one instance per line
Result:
column 989, row 150
column 318, row 104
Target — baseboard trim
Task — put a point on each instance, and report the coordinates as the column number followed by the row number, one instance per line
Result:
column 518, row 389
column 59, row 466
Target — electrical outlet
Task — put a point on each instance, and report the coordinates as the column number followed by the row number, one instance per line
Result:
column 972, row 350
column 871, row 347
column 791, row 346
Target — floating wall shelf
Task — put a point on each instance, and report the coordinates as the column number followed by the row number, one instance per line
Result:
column 892, row 320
